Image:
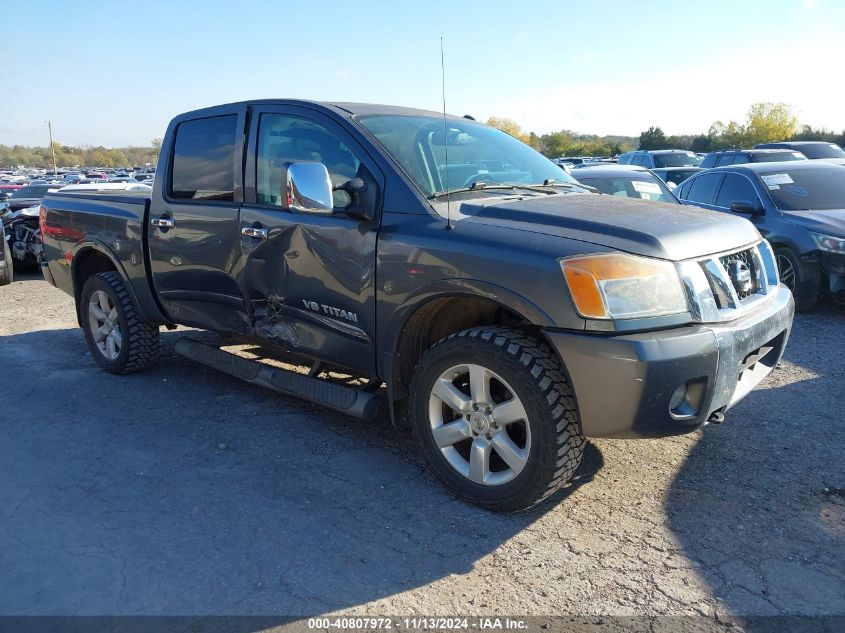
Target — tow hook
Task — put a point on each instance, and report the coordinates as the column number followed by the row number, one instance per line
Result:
column 717, row 417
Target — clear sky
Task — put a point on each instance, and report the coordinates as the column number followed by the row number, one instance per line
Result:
column 115, row 72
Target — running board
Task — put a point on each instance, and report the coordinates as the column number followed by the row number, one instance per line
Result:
column 349, row 400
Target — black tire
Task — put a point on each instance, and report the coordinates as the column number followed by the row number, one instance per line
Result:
column 534, row 374
column 140, row 339
column 28, row 265
column 8, row 275
column 801, row 277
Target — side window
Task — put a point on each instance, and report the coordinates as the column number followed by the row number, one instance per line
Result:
column 725, row 159
column 284, row 138
column 683, row 191
column 709, row 161
column 637, row 160
column 742, row 158
column 735, row 188
column 204, row 159
column 703, row 188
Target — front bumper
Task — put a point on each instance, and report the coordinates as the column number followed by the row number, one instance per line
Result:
column 625, row 384
column 833, row 266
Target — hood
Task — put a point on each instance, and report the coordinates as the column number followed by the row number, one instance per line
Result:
column 21, row 203
column 653, row 229
column 828, row 221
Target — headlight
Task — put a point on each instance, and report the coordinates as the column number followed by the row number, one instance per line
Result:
column 618, row 286
column 829, row 243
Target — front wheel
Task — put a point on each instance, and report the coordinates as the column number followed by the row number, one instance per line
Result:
column 119, row 339
column 802, row 278
column 495, row 417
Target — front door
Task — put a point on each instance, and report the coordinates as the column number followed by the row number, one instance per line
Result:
column 310, row 278
column 194, row 236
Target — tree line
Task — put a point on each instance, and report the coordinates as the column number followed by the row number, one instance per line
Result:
column 764, row 122
column 83, row 156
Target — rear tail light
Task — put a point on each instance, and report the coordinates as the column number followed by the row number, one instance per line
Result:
column 42, row 220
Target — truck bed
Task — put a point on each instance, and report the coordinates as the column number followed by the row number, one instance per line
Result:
column 79, row 227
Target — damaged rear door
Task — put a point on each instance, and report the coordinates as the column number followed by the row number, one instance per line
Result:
column 310, row 278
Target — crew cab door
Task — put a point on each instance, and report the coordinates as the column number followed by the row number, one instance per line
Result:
column 193, row 235
column 309, row 278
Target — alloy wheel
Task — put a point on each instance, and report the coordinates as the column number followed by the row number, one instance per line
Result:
column 104, row 324
column 479, row 424
column 787, row 272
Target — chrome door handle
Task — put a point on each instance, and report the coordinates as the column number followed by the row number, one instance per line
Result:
column 164, row 223
column 253, row 231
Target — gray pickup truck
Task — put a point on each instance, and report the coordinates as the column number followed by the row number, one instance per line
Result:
column 431, row 263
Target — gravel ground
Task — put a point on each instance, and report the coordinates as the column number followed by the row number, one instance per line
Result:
column 182, row 491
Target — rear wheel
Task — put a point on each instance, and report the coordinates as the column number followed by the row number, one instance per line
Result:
column 495, row 417
column 802, row 278
column 120, row 341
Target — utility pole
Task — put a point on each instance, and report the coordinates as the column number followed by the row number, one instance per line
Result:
column 52, row 149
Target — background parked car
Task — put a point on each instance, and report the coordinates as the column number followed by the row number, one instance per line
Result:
column 30, row 195
column 813, row 150
column 674, row 176
column 660, row 158
column 627, row 181
column 798, row 206
column 725, row 157
column 6, row 191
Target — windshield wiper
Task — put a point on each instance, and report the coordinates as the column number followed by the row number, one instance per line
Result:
column 540, row 188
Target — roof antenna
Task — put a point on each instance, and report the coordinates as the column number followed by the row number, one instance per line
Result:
column 445, row 138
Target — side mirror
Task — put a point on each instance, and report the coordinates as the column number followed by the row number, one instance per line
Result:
column 744, row 206
column 307, row 188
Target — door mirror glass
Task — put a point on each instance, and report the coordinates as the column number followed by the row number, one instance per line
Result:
column 308, row 188
column 744, row 206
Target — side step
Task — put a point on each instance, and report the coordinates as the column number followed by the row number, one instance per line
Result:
column 355, row 402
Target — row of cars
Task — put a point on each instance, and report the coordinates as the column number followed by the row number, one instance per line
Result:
column 20, row 232
column 797, row 203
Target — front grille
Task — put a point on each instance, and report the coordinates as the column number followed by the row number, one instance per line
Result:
column 741, row 261
column 716, row 295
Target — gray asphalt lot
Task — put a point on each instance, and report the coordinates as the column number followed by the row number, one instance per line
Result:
column 183, row 491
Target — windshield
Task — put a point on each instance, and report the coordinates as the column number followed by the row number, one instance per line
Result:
column 822, row 150
column 477, row 154
column 642, row 186
column 677, row 159
column 775, row 157
column 37, row 191
column 806, row 189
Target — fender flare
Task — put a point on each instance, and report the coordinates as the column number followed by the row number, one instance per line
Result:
column 80, row 248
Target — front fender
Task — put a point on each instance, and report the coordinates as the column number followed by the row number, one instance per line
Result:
column 447, row 288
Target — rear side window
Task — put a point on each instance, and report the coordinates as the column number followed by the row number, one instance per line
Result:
column 726, row 159
column 204, row 159
column 703, row 188
column 736, row 188
column 709, row 161
column 741, row 159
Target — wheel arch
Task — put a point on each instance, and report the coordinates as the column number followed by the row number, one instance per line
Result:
column 441, row 309
column 91, row 258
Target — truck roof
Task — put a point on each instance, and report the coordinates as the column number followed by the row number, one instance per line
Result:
column 342, row 107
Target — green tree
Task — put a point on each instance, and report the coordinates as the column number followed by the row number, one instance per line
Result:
column 508, row 126
column 556, row 144
column 653, row 138
column 767, row 122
